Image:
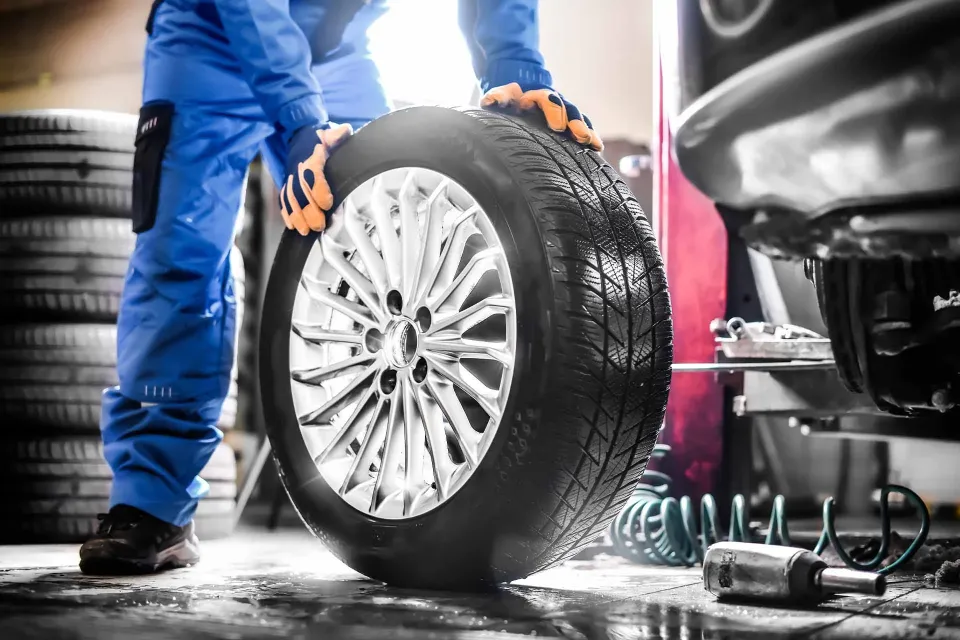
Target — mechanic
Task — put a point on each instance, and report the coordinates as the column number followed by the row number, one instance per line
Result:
column 224, row 80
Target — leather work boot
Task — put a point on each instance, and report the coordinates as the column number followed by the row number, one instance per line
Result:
column 130, row 541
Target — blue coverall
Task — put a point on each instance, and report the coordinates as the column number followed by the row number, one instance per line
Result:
column 226, row 79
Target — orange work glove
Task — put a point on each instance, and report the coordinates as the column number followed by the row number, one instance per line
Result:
column 561, row 114
column 305, row 197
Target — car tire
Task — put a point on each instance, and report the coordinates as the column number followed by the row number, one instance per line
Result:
column 58, row 485
column 591, row 374
column 837, row 308
column 62, row 161
column 64, row 268
column 53, row 375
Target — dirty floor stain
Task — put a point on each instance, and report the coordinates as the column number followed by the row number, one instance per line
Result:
column 285, row 585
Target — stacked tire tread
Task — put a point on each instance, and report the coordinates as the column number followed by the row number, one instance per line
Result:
column 65, row 244
column 66, row 161
column 58, row 485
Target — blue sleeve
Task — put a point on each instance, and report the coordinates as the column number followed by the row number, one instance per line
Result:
column 275, row 59
column 504, row 41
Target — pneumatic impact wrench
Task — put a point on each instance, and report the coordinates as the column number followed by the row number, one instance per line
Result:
column 785, row 575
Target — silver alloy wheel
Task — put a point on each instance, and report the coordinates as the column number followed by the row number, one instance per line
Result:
column 403, row 343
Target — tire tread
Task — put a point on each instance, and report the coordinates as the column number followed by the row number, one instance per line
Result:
column 615, row 328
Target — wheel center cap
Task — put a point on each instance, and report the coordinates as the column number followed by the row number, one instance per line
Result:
column 400, row 343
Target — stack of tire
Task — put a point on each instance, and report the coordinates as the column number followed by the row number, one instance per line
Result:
column 65, row 241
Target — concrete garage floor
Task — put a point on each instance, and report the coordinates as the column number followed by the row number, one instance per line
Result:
column 285, row 585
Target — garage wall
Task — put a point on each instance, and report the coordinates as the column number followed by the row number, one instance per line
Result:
column 602, row 57
column 71, row 53
column 87, row 54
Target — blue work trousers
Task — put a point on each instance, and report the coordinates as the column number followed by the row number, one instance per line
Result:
column 177, row 328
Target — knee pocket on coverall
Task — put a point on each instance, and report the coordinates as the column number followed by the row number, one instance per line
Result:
column 153, row 134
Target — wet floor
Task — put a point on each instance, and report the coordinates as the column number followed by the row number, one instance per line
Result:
column 284, row 585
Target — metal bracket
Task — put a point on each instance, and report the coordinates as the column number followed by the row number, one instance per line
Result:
column 761, row 346
column 761, row 340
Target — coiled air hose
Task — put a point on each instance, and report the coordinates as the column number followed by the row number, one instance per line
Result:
column 654, row 528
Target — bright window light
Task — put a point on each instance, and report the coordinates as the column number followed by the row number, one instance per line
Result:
column 421, row 53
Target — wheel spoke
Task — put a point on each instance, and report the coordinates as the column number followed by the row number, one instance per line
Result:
column 486, row 398
column 322, row 295
column 388, row 481
column 437, row 207
column 337, row 448
column 446, row 398
column 317, row 375
column 409, row 235
column 476, row 349
column 443, row 466
column 457, row 292
column 473, row 315
column 382, row 205
column 414, row 439
column 357, row 281
column 318, row 334
column 369, row 448
column 445, row 269
column 372, row 261
column 344, row 397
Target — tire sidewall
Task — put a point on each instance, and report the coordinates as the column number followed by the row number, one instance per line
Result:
column 471, row 530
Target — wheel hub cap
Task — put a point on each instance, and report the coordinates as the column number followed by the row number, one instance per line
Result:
column 400, row 343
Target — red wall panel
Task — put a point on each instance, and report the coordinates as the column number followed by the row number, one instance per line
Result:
column 694, row 245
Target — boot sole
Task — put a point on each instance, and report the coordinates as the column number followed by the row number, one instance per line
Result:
column 183, row 554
